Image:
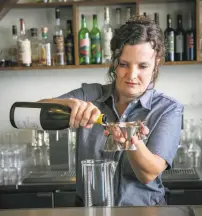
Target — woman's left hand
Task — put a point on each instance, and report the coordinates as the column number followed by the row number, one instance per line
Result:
column 120, row 137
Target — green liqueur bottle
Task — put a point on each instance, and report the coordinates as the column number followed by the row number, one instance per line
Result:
column 95, row 36
column 84, row 42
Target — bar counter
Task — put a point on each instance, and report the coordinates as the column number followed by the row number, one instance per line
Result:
column 116, row 211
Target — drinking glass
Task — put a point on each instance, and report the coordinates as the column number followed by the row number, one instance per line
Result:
column 98, row 177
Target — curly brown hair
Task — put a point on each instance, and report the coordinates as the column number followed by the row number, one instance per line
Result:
column 138, row 29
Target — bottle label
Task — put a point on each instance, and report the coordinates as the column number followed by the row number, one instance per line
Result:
column 69, row 51
column 107, row 36
column 59, row 42
column 27, row 118
column 171, row 42
column 190, row 41
column 24, row 49
column 179, row 44
column 96, row 47
column 84, row 47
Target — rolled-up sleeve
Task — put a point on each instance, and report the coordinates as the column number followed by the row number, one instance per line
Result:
column 164, row 139
column 87, row 92
column 77, row 93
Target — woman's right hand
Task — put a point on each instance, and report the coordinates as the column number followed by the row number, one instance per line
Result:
column 82, row 113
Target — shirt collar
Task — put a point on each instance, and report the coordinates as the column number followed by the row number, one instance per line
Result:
column 107, row 91
column 145, row 99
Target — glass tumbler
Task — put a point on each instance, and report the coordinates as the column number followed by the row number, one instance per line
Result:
column 98, row 179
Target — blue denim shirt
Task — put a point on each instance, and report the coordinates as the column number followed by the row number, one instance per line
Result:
column 163, row 117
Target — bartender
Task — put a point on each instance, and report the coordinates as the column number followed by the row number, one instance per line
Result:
column 137, row 50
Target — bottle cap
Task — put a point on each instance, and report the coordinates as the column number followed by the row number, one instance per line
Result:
column 102, row 119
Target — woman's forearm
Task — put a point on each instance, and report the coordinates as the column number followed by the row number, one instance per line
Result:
column 145, row 164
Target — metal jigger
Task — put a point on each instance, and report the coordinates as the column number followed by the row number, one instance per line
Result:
column 128, row 130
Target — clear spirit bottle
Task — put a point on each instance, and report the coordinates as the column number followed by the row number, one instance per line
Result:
column 34, row 46
column 118, row 18
column 107, row 34
column 58, row 40
column 24, row 47
column 45, row 49
column 13, row 49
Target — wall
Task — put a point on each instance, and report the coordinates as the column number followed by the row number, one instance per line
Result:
column 182, row 82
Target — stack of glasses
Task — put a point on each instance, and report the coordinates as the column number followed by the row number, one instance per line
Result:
column 13, row 159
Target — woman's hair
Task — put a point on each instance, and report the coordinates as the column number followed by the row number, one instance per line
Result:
column 137, row 30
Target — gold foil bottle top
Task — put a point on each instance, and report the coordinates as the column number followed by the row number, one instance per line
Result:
column 102, row 119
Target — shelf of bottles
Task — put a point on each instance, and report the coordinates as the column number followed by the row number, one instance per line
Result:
column 178, row 23
column 93, row 37
column 32, row 53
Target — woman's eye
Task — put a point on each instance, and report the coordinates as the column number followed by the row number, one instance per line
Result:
column 123, row 65
column 143, row 66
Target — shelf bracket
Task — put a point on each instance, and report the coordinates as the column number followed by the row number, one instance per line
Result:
column 4, row 9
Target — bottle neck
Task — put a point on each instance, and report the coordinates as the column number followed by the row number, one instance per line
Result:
column 95, row 25
column 22, row 27
column 107, row 20
column 34, row 36
column 106, row 16
column 169, row 23
column 180, row 24
column 14, row 33
column 44, row 36
column 58, row 22
column 69, row 29
column 118, row 18
column 128, row 14
column 15, row 37
column 83, row 22
column 190, row 24
column 156, row 19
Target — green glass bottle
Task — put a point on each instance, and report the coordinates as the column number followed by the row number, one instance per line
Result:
column 84, row 42
column 95, row 36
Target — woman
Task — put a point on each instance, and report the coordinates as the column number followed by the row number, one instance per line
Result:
column 137, row 49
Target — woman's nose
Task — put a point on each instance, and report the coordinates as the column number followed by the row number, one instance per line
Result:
column 133, row 72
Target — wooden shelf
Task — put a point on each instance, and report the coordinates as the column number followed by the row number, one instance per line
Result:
column 83, row 66
column 181, row 63
column 54, row 67
column 163, row 1
column 70, row 3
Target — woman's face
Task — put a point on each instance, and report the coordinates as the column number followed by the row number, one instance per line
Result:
column 135, row 70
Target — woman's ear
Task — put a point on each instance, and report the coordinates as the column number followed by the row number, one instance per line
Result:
column 158, row 61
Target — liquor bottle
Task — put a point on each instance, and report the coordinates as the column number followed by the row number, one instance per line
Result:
column 179, row 40
column 45, row 49
column 95, row 36
column 84, row 42
column 128, row 13
column 23, row 47
column 170, row 40
column 34, row 46
column 107, row 34
column 190, row 40
column 13, row 49
column 43, row 116
column 118, row 19
column 69, row 44
column 58, row 40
